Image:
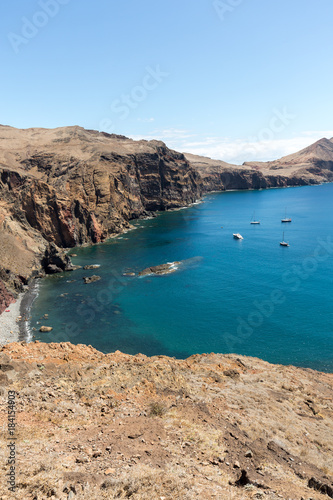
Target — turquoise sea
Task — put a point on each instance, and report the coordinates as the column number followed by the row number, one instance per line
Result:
column 249, row 296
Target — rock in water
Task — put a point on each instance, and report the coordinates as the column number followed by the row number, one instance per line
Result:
column 45, row 329
column 73, row 268
column 91, row 279
column 52, row 269
column 92, row 266
column 168, row 268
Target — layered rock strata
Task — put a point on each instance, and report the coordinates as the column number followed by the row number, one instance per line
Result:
column 71, row 186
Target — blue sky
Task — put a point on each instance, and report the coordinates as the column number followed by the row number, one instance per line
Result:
column 231, row 79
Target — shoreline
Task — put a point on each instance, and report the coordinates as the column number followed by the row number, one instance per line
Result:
column 9, row 326
column 27, row 301
column 14, row 325
column 12, row 330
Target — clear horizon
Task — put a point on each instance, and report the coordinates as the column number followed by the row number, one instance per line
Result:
column 229, row 79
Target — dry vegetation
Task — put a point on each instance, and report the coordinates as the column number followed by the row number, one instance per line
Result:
column 94, row 426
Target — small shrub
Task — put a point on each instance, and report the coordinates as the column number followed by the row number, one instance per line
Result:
column 157, row 409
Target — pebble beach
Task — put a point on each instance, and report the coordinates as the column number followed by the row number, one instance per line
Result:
column 9, row 327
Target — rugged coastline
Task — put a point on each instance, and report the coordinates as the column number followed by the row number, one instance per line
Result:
column 95, row 425
column 25, row 299
column 66, row 187
column 70, row 187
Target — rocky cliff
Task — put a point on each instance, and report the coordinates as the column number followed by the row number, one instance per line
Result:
column 220, row 176
column 71, row 186
column 312, row 165
column 93, row 426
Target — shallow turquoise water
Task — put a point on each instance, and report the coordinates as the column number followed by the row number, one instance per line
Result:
column 251, row 297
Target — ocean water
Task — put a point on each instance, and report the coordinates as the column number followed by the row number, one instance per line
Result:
column 249, row 296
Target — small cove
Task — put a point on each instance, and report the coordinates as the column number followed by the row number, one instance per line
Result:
column 249, row 296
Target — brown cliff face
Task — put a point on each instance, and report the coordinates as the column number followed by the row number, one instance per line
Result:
column 77, row 186
column 72, row 186
column 6, row 298
column 312, row 165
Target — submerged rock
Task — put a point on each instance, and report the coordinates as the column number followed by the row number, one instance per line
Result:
column 168, row 268
column 92, row 266
column 73, row 268
column 45, row 329
column 91, row 279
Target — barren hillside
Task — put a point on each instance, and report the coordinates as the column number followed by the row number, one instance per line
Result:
column 93, row 425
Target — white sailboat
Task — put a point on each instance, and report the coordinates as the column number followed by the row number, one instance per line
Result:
column 238, row 236
column 254, row 221
column 286, row 219
column 284, row 243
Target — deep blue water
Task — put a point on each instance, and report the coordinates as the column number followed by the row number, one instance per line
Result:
column 252, row 297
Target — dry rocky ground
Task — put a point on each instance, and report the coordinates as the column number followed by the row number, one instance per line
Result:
column 94, row 426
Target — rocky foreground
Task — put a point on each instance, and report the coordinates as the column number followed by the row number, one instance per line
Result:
column 93, row 426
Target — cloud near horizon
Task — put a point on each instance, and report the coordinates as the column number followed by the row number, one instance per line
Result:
column 235, row 151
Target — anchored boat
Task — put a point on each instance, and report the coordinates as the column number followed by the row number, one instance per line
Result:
column 284, row 243
column 253, row 220
column 285, row 219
